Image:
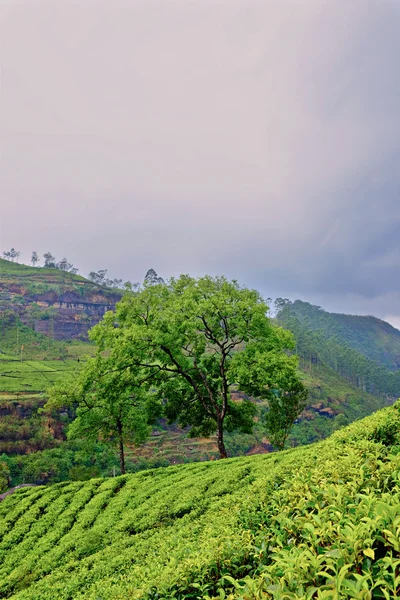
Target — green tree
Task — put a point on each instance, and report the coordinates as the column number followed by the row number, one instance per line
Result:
column 49, row 260
column 151, row 278
column 35, row 258
column 11, row 255
column 195, row 341
column 110, row 405
column 98, row 277
column 285, row 405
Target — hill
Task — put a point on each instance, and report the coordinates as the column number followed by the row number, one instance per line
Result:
column 35, row 360
column 24, row 429
column 44, row 318
column 318, row 342
column 319, row 521
column 373, row 338
column 53, row 302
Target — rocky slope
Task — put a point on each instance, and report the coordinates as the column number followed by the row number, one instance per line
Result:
column 55, row 303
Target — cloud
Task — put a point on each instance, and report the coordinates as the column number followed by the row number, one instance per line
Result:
column 258, row 139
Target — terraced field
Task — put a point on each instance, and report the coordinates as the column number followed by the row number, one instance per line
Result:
column 321, row 521
column 32, row 375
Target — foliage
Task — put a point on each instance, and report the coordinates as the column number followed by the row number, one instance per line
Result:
column 314, row 522
column 11, row 255
column 4, row 476
column 371, row 337
column 283, row 411
column 35, row 258
column 34, row 376
column 319, row 340
column 75, row 460
column 151, row 278
column 110, row 405
column 192, row 341
column 62, row 265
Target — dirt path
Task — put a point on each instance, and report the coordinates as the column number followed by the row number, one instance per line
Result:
column 17, row 487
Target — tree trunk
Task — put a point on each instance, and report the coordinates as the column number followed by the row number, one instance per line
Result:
column 121, row 448
column 221, row 445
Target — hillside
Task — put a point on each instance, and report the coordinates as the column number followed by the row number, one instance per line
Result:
column 35, row 360
column 44, row 318
column 373, row 338
column 38, row 453
column 317, row 343
column 56, row 303
column 314, row 522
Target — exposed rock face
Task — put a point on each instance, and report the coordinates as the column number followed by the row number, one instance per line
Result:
column 74, row 315
column 61, row 315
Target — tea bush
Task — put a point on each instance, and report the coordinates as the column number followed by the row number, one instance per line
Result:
column 321, row 521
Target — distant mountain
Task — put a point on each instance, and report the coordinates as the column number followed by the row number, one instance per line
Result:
column 371, row 337
column 363, row 350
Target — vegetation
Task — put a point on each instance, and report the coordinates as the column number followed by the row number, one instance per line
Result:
column 318, row 342
column 314, row 522
column 4, row 476
column 33, row 376
column 371, row 337
column 109, row 405
column 66, row 461
column 189, row 344
column 50, row 263
column 340, row 391
column 11, row 255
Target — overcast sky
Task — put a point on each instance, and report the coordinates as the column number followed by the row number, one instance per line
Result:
column 256, row 139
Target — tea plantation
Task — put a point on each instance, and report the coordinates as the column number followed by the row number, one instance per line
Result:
column 321, row 521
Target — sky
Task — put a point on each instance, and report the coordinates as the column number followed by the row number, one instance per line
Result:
column 255, row 139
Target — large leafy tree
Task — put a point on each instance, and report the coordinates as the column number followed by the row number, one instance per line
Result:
column 109, row 403
column 195, row 341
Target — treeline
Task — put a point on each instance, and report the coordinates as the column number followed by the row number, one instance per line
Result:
column 70, row 461
column 49, row 262
column 319, row 347
column 98, row 277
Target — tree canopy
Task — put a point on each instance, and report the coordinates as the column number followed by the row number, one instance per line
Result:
column 192, row 342
column 109, row 403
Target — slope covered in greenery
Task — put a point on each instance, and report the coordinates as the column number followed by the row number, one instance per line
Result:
column 51, row 301
column 317, row 343
column 373, row 338
column 17, row 273
column 321, row 521
column 333, row 402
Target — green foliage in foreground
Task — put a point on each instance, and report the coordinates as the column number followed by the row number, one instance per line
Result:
column 321, row 521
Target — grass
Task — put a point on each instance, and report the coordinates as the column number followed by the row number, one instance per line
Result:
column 31, row 375
column 13, row 270
column 39, row 280
column 320, row 521
column 20, row 341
